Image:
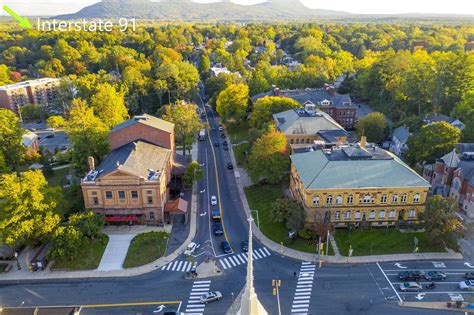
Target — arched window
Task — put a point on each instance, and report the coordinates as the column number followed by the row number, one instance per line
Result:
column 382, row 214
column 391, row 214
column 357, row 215
column 412, row 213
column 404, row 198
column 350, row 199
column 395, row 198
column 372, row 214
column 367, row 198
column 339, row 200
column 316, row 200
column 338, row 215
column 348, row 215
column 329, row 199
column 416, row 197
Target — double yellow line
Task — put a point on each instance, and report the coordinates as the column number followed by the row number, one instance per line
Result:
column 130, row 304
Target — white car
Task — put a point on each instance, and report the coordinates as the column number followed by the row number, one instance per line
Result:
column 467, row 285
column 210, row 297
column 190, row 249
column 214, row 200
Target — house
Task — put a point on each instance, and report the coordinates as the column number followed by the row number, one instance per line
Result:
column 359, row 184
column 133, row 183
column 338, row 106
column 399, row 140
column 303, row 126
column 437, row 117
column 31, row 143
column 452, row 176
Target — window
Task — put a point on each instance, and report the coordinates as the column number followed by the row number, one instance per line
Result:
column 372, row 214
column 382, row 214
column 350, row 199
column 367, row 198
column 297, row 141
column 149, row 192
column 95, row 201
column 416, row 197
column 134, row 194
column 149, row 200
column 316, row 201
column 456, row 184
column 152, row 216
column 404, row 198
column 348, row 215
column 307, row 140
column 339, row 200
column 391, row 214
column 384, row 198
column 108, row 195
column 395, row 198
column 412, row 213
column 291, row 141
column 94, row 193
column 338, row 215
column 329, row 199
column 121, row 194
column 357, row 215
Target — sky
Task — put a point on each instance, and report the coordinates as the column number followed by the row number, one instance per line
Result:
column 52, row 7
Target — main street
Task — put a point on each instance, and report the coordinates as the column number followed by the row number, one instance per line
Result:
column 333, row 289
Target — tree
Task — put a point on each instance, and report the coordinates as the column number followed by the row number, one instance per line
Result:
column 441, row 222
column 464, row 111
column 232, row 103
column 186, row 123
column 265, row 107
column 66, row 243
column 3, row 165
column 4, row 75
column 432, row 142
column 11, row 138
column 282, row 208
column 181, row 79
column 29, row 211
column 296, row 218
column 109, row 105
column 56, row 121
column 269, row 158
column 204, row 66
column 193, row 173
column 89, row 223
column 32, row 112
column 373, row 126
column 88, row 135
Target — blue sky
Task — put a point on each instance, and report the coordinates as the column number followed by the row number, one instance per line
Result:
column 48, row 7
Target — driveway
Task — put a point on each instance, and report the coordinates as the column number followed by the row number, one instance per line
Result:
column 115, row 253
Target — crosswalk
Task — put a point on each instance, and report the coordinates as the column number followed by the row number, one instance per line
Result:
column 241, row 259
column 194, row 306
column 304, row 287
column 178, row 265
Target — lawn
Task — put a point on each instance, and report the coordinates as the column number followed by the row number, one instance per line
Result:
column 145, row 248
column 381, row 241
column 3, row 267
column 260, row 197
column 58, row 178
column 88, row 258
column 238, row 133
column 239, row 152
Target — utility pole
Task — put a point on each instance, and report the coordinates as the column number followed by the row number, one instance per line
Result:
column 327, row 245
column 319, row 252
column 276, row 284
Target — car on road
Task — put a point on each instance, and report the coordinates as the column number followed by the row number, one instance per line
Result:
column 467, row 285
column 469, row 276
column 224, row 142
column 216, row 144
column 226, row 247
column 225, row 147
column 222, row 135
column 190, row 249
column 213, row 200
column 49, row 136
column 230, row 166
column 409, row 275
column 221, row 128
column 410, row 286
column 245, row 246
column 218, row 229
column 434, row 275
column 210, row 297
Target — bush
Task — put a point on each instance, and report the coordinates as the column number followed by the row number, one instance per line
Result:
column 305, row 234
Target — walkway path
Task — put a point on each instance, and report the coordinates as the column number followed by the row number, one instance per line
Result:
column 334, row 245
column 115, row 253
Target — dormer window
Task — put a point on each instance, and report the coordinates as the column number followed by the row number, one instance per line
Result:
column 325, row 103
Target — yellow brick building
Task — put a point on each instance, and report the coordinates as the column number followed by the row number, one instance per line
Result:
column 362, row 185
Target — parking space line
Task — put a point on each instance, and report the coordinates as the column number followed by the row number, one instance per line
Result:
column 386, row 278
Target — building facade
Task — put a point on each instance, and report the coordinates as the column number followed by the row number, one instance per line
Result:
column 360, row 184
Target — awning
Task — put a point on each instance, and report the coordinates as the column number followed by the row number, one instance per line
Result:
column 177, row 206
column 118, row 218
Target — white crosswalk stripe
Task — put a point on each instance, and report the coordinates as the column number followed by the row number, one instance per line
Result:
column 241, row 259
column 178, row 265
column 256, row 255
column 194, row 305
column 304, row 286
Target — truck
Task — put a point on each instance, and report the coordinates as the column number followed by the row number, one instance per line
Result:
column 202, row 135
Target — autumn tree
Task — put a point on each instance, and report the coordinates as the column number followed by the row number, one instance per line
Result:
column 66, row 243
column 56, row 121
column 232, row 103
column 204, row 65
column 179, row 79
column 373, row 126
column 464, row 111
column 5, row 75
column 269, row 158
column 89, row 223
column 265, row 107
column 11, row 137
column 109, row 105
column 193, row 173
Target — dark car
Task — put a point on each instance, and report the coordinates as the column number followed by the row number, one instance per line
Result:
column 226, row 148
column 216, row 144
column 218, row 229
column 245, row 246
column 223, row 135
column 230, row 166
column 226, row 247
column 409, row 275
column 49, row 136
column 469, row 276
column 224, row 142
column 434, row 275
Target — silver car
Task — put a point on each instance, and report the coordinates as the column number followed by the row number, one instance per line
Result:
column 410, row 286
column 467, row 285
column 211, row 297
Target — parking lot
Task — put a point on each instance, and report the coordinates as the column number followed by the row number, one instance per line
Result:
column 445, row 290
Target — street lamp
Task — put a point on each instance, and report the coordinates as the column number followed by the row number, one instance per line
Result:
column 276, row 284
column 17, row 262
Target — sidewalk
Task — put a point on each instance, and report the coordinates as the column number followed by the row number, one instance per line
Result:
column 291, row 253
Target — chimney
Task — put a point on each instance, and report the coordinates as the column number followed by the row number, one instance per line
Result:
column 90, row 163
column 330, row 89
column 363, row 141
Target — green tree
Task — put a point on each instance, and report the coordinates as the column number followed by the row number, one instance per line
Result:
column 181, row 79
column 56, row 121
column 5, row 75
column 89, row 223
column 441, row 222
column 232, row 103
column 373, row 126
column 32, row 112
column 109, row 105
column 269, row 158
column 204, row 66
column 296, row 217
column 11, row 138
column 29, row 211
column 66, row 243
column 432, row 142
column 265, row 107
column 3, row 165
column 464, row 111
column 282, row 208
column 193, row 173
column 186, row 123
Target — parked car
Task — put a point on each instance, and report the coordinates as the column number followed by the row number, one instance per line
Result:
column 410, row 286
column 467, row 285
column 245, row 246
column 225, row 142
column 210, row 297
column 216, row 144
column 190, row 249
column 226, row 247
column 218, row 229
column 230, row 166
column 213, row 200
column 222, row 135
column 434, row 275
column 225, row 147
column 216, row 216
column 409, row 275
column 49, row 136
column 469, row 276
column 221, row 128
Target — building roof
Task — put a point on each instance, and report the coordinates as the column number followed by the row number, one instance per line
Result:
column 467, row 168
column 146, row 120
column 318, row 170
column 298, row 121
column 330, row 136
column 24, row 84
column 401, row 133
column 29, row 138
column 451, row 159
column 465, row 147
column 437, row 117
column 138, row 158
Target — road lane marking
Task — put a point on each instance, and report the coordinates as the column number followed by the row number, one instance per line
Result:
column 266, row 250
column 124, row 304
column 262, row 252
column 203, row 281
column 386, row 278
column 256, row 254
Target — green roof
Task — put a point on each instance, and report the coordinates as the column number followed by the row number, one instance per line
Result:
column 317, row 171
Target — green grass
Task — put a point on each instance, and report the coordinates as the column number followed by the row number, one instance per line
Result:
column 58, row 178
column 260, row 197
column 88, row 258
column 239, row 152
column 382, row 241
column 238, row 133
column 3, row 267
column 145, row 248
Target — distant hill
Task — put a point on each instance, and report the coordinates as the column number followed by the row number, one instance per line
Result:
column 186, row 10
